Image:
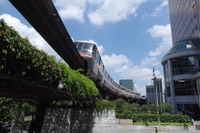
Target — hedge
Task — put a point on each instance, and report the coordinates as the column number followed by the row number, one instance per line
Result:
column 164, row 118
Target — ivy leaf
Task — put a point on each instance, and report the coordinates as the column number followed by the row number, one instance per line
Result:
column 5, row 51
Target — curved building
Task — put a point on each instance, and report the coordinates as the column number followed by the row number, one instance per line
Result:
column 181, row 66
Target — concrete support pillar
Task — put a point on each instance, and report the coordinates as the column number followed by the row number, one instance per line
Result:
column 173, row 101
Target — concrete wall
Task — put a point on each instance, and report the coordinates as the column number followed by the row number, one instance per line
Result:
column 126, row 126
column 59, row 120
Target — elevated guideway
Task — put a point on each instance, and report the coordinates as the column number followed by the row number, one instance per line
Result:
column 43, row 16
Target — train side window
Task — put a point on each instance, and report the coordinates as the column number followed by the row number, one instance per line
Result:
column 103, row 69
column 80, row 45
column 100, row 62
column 106, row 75
column 95, row 52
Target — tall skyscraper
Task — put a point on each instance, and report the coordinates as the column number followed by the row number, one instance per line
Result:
column 182, row 63
column 184, row 18
column 127, row 83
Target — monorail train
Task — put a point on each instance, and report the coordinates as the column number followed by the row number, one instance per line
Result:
column 96, row 69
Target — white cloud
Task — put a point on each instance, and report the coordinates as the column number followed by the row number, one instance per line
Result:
column 150, row 61
column 25, row 31
column 115, row 61
column 124, row 67
column 164, row 32
column 159, row 10
column 113, row 10
column 97, row 11
column 141, row 74
column 71, row 9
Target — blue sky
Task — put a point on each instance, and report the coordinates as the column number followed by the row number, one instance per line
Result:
column 132, row 35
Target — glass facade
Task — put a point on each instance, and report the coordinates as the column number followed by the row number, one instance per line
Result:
column 184, row 18
column 191, row 109
column 183, row 58
column 183, row 65
column 168, row 89
column 127, row 83
column 185, row 87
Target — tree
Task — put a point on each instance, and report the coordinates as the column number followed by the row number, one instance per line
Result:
column 166, row 108
column 149, row 108
column 120, row 105
column 6, row 108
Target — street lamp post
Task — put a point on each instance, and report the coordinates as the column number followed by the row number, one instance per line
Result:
column 156, row 91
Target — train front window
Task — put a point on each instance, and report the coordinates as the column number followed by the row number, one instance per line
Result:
column 87, row 48
column 80, row 46
column 84, row 47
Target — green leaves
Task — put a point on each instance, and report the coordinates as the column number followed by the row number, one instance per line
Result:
column 7, row 105
column 18, row 58
column 146, row 117
column 79, row 87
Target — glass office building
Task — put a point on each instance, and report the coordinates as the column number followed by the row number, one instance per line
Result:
column 184, row 18
column 181, row 64
column 127, row 83
column 181, row 67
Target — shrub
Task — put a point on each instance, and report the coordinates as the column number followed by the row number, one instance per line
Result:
column 164, row 118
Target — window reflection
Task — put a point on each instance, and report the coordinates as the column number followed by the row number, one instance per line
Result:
column 185, row 87
column 183, row 65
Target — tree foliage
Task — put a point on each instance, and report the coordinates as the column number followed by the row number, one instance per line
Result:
column 166, row 108
column 25, row 62
column 7, row 106
column 120, row 105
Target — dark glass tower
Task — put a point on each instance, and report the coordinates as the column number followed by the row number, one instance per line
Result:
column 127, row 83
column 184, row 18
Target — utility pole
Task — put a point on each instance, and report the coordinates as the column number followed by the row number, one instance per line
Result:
column 156, row 91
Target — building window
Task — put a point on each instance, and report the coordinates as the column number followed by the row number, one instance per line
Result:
column 190, row 109
column 196, row 26
column 183, row 65
column 168, row 89
column 194, row 15
column 185, row 87
column 166, row 70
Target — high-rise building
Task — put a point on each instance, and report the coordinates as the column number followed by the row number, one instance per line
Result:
column 184, row 18
column 150, row 94
column 182, row 73
column 182, row 63
column 154, row 93
column 127, row 83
